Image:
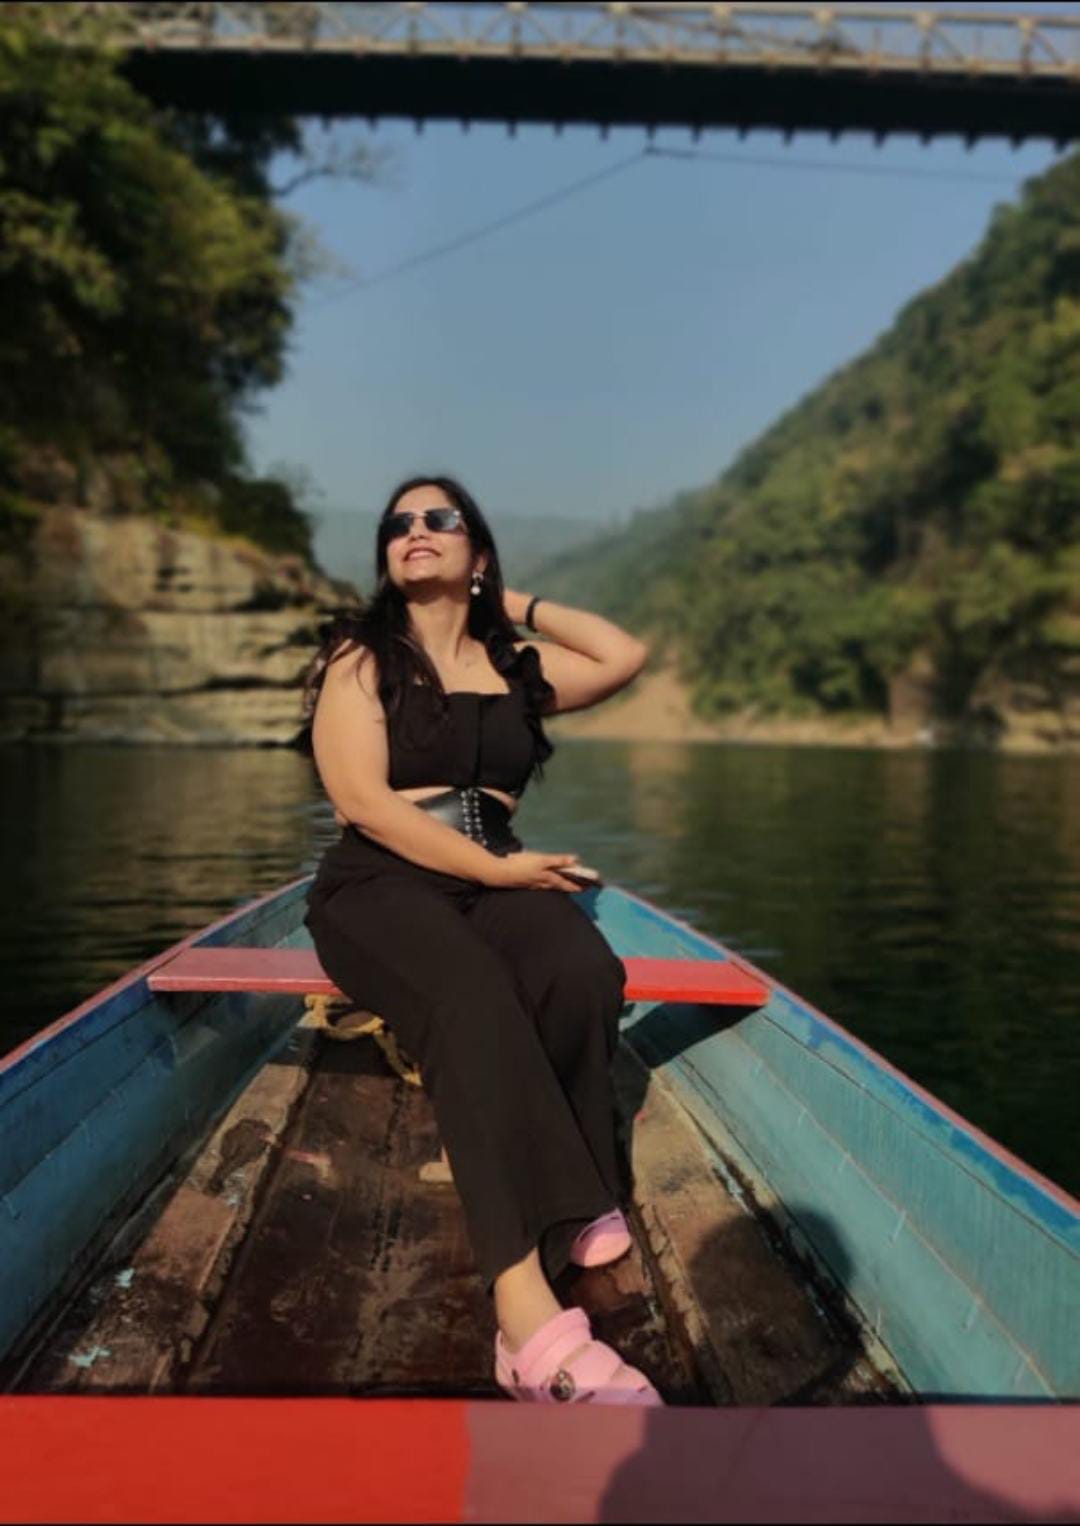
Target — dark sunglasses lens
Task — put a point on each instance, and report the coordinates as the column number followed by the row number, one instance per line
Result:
column 398, row 525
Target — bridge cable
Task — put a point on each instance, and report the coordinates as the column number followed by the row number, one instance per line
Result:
column 913, row 171
column 473, row 235
column 650, row 151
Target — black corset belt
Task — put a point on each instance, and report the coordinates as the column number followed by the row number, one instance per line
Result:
column 479, row 815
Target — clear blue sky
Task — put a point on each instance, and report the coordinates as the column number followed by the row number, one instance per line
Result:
column 618, row 346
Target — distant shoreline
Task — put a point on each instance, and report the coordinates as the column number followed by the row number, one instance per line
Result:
column 657, row 709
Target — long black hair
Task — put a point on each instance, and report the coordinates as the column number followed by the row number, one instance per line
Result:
column 382, row 625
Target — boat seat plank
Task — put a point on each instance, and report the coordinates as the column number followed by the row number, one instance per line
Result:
column 297, row 971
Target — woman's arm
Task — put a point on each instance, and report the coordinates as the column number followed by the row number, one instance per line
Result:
column 585, row 658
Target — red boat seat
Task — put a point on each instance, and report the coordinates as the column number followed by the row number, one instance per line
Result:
column 721, row 982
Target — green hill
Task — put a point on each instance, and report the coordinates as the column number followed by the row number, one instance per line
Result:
column 904, row 539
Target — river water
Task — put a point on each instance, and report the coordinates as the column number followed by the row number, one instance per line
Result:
column 929, row 901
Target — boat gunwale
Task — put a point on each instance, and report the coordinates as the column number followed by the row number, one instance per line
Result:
column 47, row 1056
column 38, row 1041
column 1005, row 1333
column 999, row 1153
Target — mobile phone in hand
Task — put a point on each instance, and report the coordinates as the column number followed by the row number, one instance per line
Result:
column 582, row 875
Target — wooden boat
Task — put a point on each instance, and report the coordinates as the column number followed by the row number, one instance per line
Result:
column 203, row 1197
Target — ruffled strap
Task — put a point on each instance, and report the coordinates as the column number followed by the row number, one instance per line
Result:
column 537, row 692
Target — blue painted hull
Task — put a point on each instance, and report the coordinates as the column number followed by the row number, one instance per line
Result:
column 957, row 1260
column 962, row 1262
column 97, row 1108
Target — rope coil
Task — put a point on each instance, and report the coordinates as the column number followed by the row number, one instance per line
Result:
column 339, row 1019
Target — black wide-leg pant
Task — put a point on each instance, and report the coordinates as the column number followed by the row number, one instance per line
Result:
column 509, row 1000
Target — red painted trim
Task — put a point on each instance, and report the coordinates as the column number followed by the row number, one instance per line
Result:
column 712, row 981
column 297, row 971
column 906, row 1463
column 1021, row 1167
column 195, row 1460
column 141, row 972
column 296, row 1460
column 287, row 971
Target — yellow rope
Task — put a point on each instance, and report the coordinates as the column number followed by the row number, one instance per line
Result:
column 355, row 1023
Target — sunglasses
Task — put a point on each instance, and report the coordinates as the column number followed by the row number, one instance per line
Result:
column 399, row 525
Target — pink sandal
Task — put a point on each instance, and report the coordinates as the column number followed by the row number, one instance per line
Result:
column 602, row 1241
column 563, row 1364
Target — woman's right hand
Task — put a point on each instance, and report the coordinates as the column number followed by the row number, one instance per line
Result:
column 526, row 870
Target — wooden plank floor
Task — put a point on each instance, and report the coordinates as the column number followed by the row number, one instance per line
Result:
column 357, row 1277
column 347, row 1274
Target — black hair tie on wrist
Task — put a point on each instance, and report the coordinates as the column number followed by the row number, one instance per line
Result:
column 533, row 602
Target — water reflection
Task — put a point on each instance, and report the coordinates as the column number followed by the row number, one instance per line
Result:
column 113, row 853
column 929, row 902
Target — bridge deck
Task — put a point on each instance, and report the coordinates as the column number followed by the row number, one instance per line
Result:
column 787, row 67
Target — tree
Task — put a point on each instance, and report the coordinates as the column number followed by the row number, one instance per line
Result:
column 147, row 275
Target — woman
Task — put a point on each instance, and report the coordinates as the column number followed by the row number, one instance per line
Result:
column 426, row 726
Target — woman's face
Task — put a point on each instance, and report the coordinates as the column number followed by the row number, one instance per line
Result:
column 429, row 558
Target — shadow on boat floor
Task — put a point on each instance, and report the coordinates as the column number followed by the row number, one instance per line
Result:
column 302, row 1254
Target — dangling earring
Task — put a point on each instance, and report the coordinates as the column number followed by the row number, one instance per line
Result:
column 476, row 584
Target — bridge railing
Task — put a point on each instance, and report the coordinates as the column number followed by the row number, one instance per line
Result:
column 872, row 40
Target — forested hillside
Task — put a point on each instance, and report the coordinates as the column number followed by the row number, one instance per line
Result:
column 145, row 281
column 904, row 541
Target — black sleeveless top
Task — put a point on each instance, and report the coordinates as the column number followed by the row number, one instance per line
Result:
column 482, row 739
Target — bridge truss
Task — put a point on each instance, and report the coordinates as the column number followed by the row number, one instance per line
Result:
column 830, row 67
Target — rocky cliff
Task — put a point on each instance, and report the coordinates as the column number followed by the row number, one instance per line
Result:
column 121, row 629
